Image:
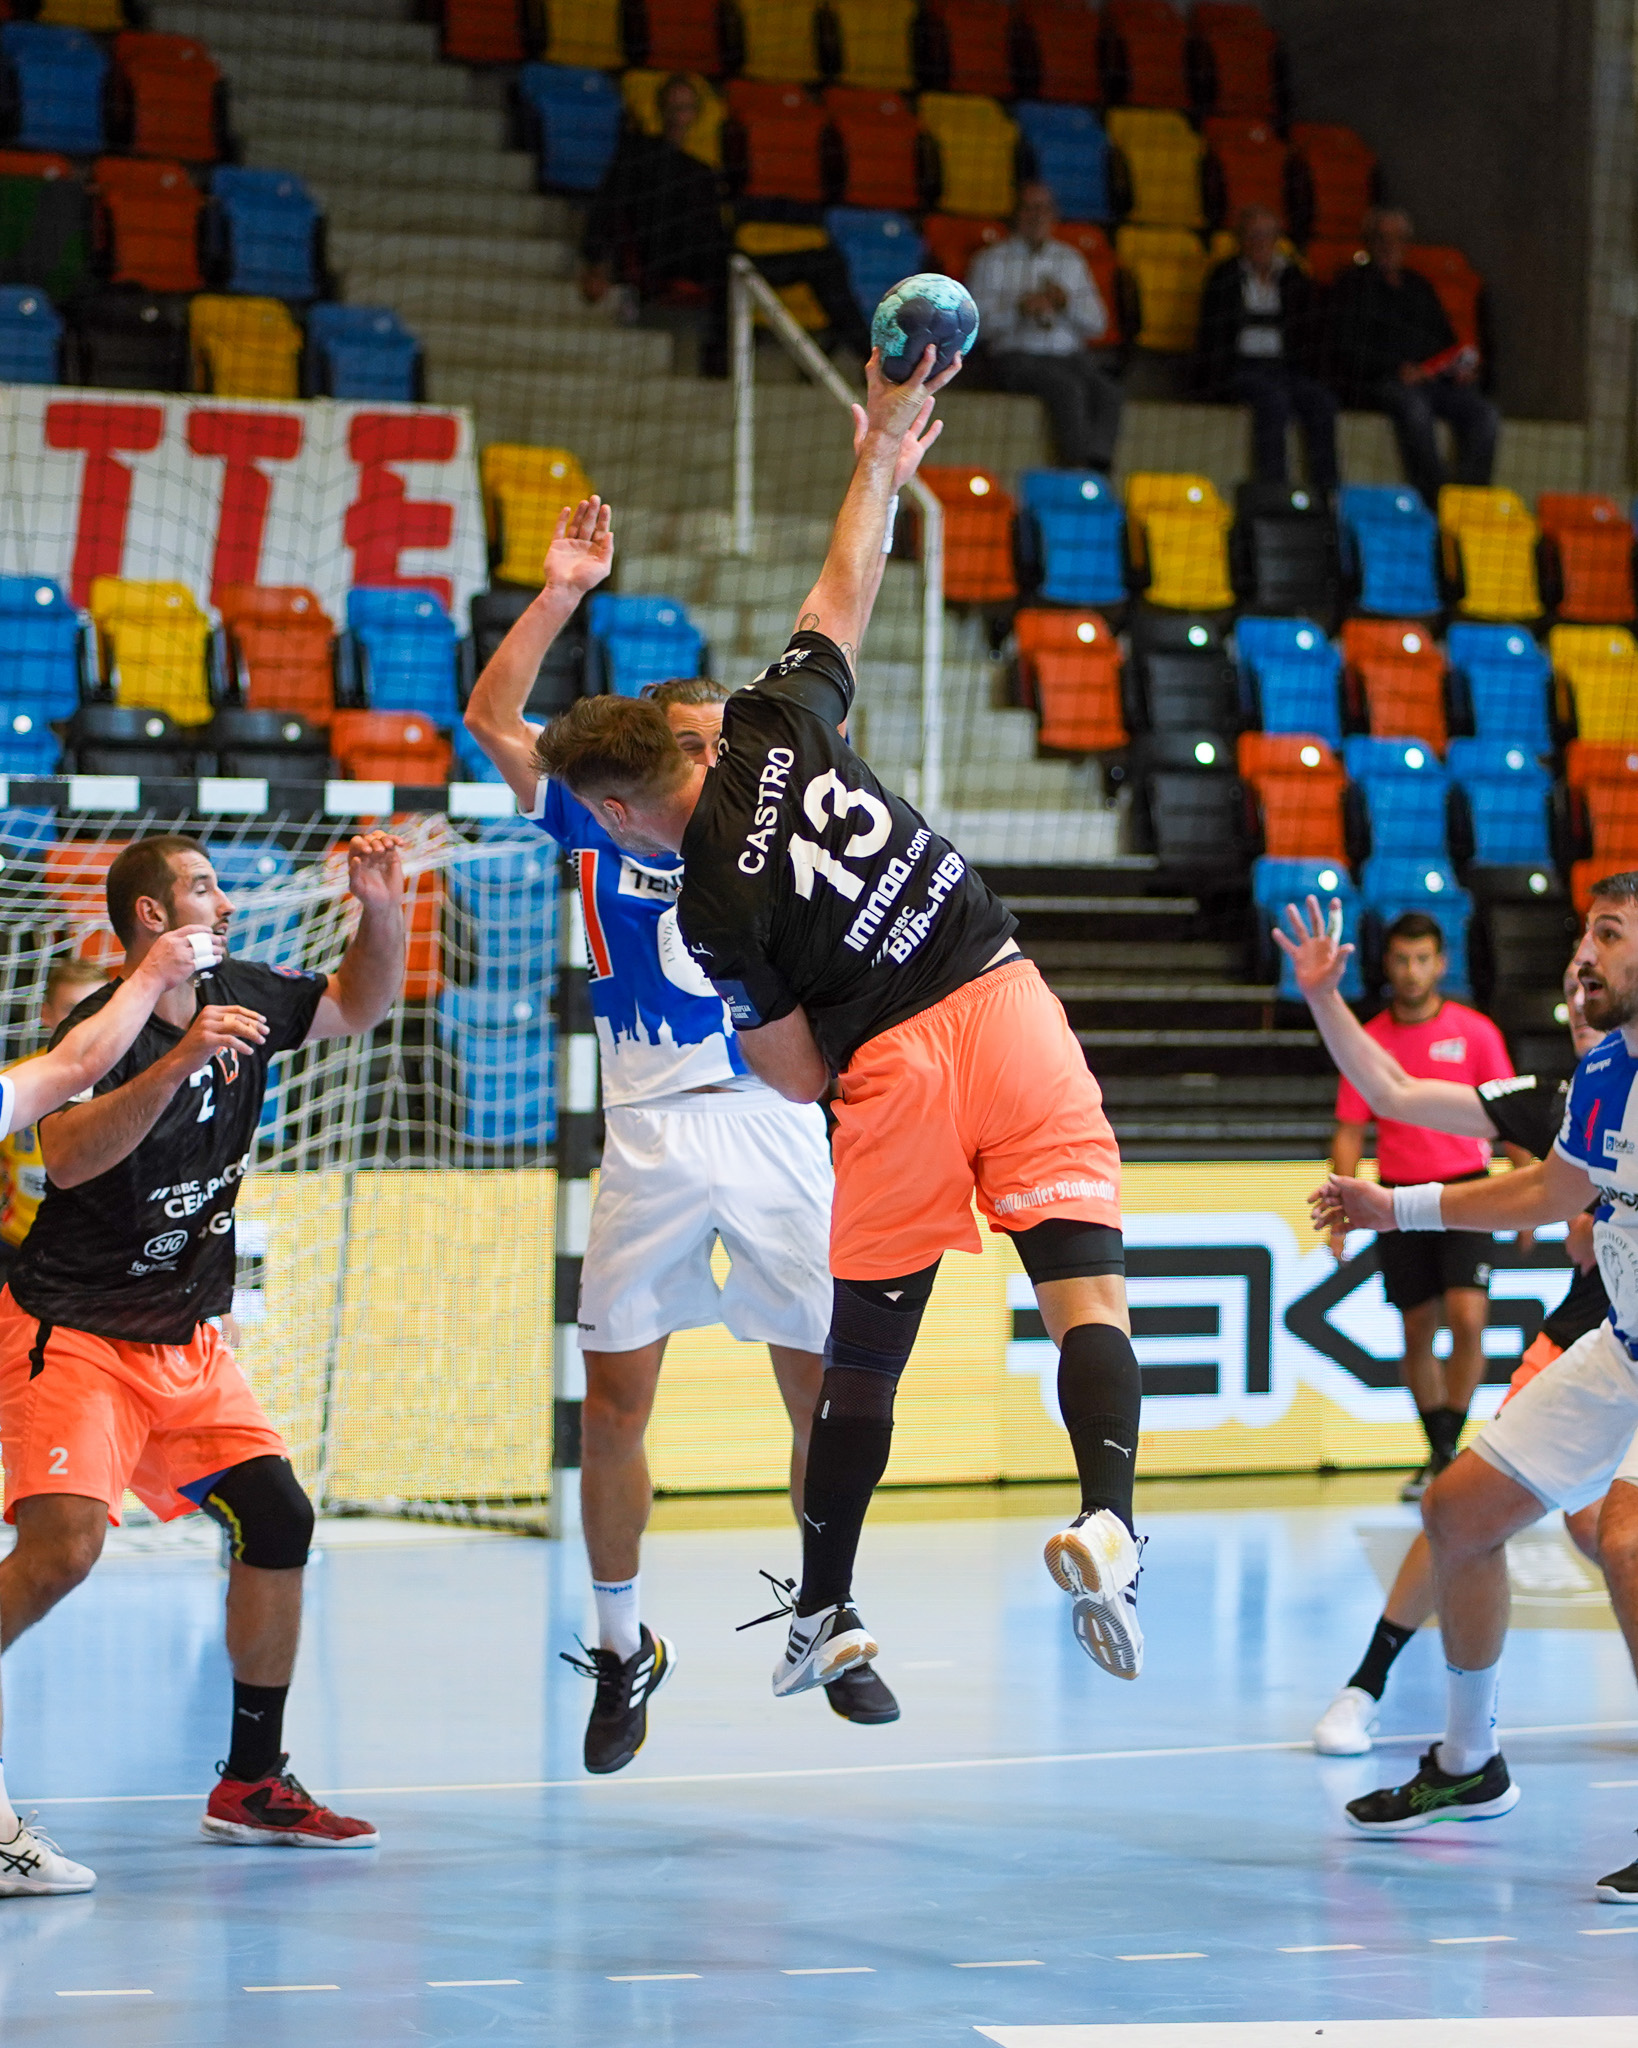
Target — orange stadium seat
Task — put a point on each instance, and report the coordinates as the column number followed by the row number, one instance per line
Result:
column 1060, row 41
column 423, row 950
column 967, row 46
column 1069, row 671
column 1603, row 785
column 1145, row 53
column 150, row 216
column 1457, row 283
column 1299, row 783
column 1395, row 675
column 1327, row 260
column 1234, row 51
column 978, row 513
column 774, row 141
column 683, row 35
column 390, row 746
column 1587, row 550
column 1094, row 246
column 35, row 163
column 76, row 874
column 1338, row 172
column 172, row 84
column 953, row 242
column 281, row 642
column 1245, row 166
column 877, row 51
column 485, row 32
column 878, row 136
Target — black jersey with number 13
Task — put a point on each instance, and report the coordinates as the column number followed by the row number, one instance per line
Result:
column 806, row 882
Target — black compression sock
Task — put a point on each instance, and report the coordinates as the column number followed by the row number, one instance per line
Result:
column 1444, row 1428
column 1429, row 1419
column 1377, row 1661
column 258, row 1731
column 1099, row 1397
column 847, row 1454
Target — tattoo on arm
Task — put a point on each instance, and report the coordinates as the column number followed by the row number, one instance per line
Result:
column 808, row 623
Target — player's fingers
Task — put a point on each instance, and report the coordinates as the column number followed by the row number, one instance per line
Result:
column 916, row 382
column 1286, row 946
column 950, row 370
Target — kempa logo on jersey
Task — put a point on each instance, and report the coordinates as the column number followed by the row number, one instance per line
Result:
column 770, row 788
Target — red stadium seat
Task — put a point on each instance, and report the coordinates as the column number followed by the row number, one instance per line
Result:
column 1094, row 245
column 1245, row 167
column 1299, row 783
column 1061, row 41
column 1145, row 54
column 1069, row 671
column 150, row 216
column 878, row 134
column 978, row 512
column 967, row 46
column 684, row 35
column 281, row 643
column 1328, row 260
column 953, row 240
column 773, row 141
column 1234, row 50
column 1587, row 541
column 488, row 32
column 1458, row 284
column 1395, row 675
column 34, row 163
column 172, row 85
column 1338, row 173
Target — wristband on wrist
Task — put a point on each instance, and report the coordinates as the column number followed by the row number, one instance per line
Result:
column 1418, row 1208
column 892, row 521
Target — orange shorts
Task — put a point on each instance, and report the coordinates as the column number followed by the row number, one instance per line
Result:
column 986, row 1092
column 95, row 1415
column 1540, row 1355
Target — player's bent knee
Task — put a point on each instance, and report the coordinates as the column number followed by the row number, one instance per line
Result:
column 873, row 1326
column 267, row 1515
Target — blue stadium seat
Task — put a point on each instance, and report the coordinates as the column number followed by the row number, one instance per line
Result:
column 641, row 640
column 579, row 112
column 61, row 75
column 502, row 1044
column 1071, row 155
column 1292, row 676
column 364, row 352
column 473, row 764
column 267, row 231
column 1275, row 883
column 40, row 642
column 407, row 643
column 1074, row 536
column 248, row 864
column 31, row 335
column 23, row 827
column 1506, row 790
column 1507, row 678
column 28, row 746
column 1390, row 542
column 1403, row 784
column 510, row 897
column 1391, row 884
column 879, row 249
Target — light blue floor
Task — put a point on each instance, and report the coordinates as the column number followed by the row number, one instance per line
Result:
column 1158, row 1852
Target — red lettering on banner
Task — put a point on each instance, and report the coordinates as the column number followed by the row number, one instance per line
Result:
column 383, row 520
column 105, row 485
column 242, row 439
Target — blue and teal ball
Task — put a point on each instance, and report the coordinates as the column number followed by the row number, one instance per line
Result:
column 928, row 307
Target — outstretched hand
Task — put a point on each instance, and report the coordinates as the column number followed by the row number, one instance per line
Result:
column 375, row 873
column 1317, row 957
column 894, row 408
column 1343, row 1203
column 582, row 549
column 919, row 436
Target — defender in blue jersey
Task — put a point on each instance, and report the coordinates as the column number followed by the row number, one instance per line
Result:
column 697, row 1150
column 1568, row 1435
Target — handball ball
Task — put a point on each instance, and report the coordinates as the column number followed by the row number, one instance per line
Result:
column 928, row 307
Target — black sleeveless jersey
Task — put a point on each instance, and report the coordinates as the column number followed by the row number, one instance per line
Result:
column 806, row 882
column 1527, row 1112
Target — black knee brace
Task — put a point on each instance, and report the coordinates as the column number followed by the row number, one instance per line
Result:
column 873, row 1326
column 1063, row 1248
column 268, row 1518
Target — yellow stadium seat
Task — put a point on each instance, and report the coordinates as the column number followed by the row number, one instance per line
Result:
column 154, row 637
column 101, row 17
column 641, row 92
column 1169, row 266
column 775, row 238
column 1489, row 536
column 244, row 348
column 875, row 43
column 1163, row 155
column 524, row 489
column 1179, row 527
column 977, row 150
column 584, row 32
column 779, row 40
column 1598, row 666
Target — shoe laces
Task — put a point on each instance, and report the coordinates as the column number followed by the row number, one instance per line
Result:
column 614, row 1676
column 37, row 1834
column 784, row 1593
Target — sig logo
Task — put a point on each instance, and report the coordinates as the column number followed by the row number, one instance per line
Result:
column 165, row 1246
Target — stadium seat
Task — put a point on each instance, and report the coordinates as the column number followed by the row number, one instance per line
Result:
column 403, row 644
column 1069, row 671
column 637, row 640
column 575, row 112
column 1292, row 676
column 1233, row 56
column 391, row 746
column 280, row 747
column 1145, row 54
column 1245, row 166
column 150, row 213
column 248, row 864
column 1068, row 151
column 965, row 46
column 1072, row 537
column 44, row 164
column 1334, row 181
column 1191, row 804
column 879, row 249
column 1055, row 53
column 773, row 141
column 1167, row 267
column 41, row 647
column 510, row 901
column 1178, row 528
column 874, row 49
column 1459, row 286
column 502, row 1045
column 363, row 352
column 1586, row 550
column 1390, row 549
column 1161, row 154
column 1284, row 550
column 100, row 17
column 1504, row 791
column 524, row 490
column 120, row 739
column 244, row 348
column 281, row 643
column 1502, row 678
column 1182, row 690
column 584, row 32
column 1403, row 786
column 1395, row 679
column 879, row 144
column 31, row 337
column 1326, row 261
column 59, row 76
column 1098, row 253
column 126, row 339
column 1597, row 667
column 779, row 39
column 1394, row 883
column 154, row 639
column 1489, row 543
column 483, row 32
column 1298, row 782
column 758, row 238
column 679, row 35
column 173, row 91
column 978, row 515
column 953, row 242
column 561, row 676
column 977, row 150
column 28, row 746
column 45, row 224
column 640, row 91
column 1276, row 883
column 267, row 228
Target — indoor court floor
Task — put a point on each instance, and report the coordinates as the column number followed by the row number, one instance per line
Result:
column 1035, row 1855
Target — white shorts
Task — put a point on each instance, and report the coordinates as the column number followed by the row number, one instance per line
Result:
column 1570, row 1431
column 674, row 1180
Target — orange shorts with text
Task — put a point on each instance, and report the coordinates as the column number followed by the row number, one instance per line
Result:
column 986, row 1093
column 94, row 1415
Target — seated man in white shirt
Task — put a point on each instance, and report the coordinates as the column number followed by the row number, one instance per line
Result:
column 1038, row 310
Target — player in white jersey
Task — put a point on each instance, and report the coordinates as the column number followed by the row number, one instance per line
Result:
column 1567, row 1436
column 696, row 1149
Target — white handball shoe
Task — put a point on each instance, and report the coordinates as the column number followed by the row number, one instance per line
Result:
column 33, row 1867
column 820, row 1647
column 1096, row 1561
column 1347, row 1725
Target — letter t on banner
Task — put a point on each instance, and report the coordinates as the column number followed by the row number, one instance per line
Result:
column 105, row 487
column 241, row 439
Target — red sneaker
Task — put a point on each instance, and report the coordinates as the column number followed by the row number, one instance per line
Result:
column 279, row 1810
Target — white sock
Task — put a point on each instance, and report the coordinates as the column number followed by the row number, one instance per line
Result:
column 9, row 1821
column 618, row 1616
column 1470, row 1720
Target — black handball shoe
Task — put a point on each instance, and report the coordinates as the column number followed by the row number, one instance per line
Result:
column 1620, row 1888
column 1433, row 1796
column 618, row 1726
column 861, row 1695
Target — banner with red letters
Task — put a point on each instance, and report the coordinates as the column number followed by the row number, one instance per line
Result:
column 211, row 491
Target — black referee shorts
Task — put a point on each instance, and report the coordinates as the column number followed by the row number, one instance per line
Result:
column 1420, row 1265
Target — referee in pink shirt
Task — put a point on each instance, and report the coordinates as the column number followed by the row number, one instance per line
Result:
column 1430, row 1277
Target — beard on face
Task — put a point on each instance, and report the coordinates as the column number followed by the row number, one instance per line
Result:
column 1608, row 1006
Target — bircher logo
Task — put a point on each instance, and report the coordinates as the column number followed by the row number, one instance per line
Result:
column 166, row 1245
column 1618, row 1146
column 1452, row 1051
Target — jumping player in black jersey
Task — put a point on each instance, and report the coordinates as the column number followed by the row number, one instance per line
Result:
column 849, row 939
column 111, row 1372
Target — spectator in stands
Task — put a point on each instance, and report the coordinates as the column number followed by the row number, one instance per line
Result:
column 1038, row 309
column 1258, row 343
column 657, row 222
column 1389, row 333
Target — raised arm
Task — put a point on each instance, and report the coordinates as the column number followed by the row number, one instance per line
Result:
column 365, row 986
column 580, row 556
